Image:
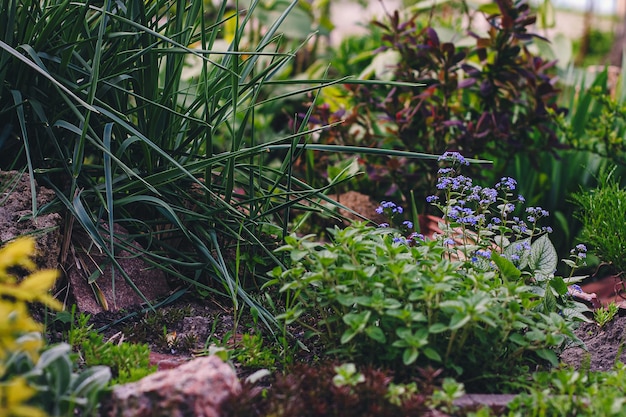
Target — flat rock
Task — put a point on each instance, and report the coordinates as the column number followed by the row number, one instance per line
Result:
column 111, row 291
column 196, row 388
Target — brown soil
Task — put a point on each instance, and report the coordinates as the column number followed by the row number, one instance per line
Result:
column 603, row 346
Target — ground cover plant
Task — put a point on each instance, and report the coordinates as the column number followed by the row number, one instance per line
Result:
column 480, row 300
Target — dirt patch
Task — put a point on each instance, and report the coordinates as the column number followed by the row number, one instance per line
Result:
column 603, row 344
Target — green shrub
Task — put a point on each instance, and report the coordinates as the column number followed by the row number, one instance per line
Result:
column 479, row 300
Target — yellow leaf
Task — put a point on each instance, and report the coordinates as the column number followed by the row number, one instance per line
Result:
column 13, row 395
column 38, row 284
column 18, row 391
column 33, row 288
column 17, row 253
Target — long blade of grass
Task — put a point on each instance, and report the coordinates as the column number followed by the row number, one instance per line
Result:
column 371, row 151
column 20, row 103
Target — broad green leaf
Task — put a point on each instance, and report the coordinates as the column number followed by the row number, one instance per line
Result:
column 432, row 354
column 548, row 355
column 506, row 267
column 376, row 333
column 348, row 335
column 438, row 328
column 559, row 285
column 489, row 9
column 410, row 355
column 549, row 301
column 357, row 321
column 543, row 257
column 459, row 320
column 518, row 339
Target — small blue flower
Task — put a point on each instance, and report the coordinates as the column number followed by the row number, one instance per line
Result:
column 432, row 199
column 408, row 224
column 453, row 157
column 449, row 242
column 579, row 251
column 383, row 225
column 506, row 184
column 574, row 288
column 489, row 196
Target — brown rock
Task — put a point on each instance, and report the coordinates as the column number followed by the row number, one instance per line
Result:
column 16, row 217
column 196, row 388
column 103, row 294
column 359, row 203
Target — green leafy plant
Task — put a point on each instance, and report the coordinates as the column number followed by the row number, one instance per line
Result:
column 571, row 392
column 61, row 389
column 604, row 315
column 478, row 300
column 250, row 351
column 35, row 379
column 604, row 220
column 444, row 397
column 128, row 362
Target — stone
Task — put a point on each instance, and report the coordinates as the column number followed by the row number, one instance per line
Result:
column 104, row 294
column 197, row 388
column 16, row 217
column 360, row 203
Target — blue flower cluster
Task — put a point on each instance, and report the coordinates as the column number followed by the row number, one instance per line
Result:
column 579, row 251
column 391, row 210
column 454, row 157
column 484, row 212
column 389, row 207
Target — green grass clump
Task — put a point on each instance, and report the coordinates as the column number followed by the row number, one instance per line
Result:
column 603, row 215
column 127, row 361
